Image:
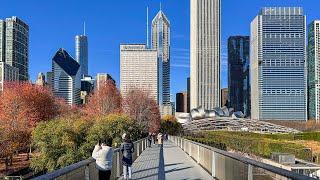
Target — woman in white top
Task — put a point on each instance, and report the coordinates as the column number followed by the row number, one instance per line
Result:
column 103, row 155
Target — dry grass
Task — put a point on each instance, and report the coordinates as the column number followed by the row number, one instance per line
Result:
column 308, row 126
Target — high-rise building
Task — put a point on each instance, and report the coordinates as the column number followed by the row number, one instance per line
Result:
column 205, row 53
column 7, row 74
column 225, row 97
column 181, row 102
column 238, row 59
column 14, row 45
column 188, row 94
column 82, row 53
column 41, row 80
column 278, row 64
column 313, row 70
column 139, row 69
column 66, row 77
column 102, row 78
column 161, row 42
column 87, row 86
column 49, row 79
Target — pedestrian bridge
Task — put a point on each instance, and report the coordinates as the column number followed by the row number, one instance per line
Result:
column 178, row 158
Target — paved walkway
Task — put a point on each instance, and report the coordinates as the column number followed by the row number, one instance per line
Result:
column 169, row 162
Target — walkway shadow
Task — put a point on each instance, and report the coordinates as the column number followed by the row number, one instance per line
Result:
column 161, row 172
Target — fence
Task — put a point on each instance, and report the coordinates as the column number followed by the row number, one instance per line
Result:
column 86, row 169
column 224, row 165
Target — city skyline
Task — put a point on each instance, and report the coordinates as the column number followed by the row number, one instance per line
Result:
column 107, row 55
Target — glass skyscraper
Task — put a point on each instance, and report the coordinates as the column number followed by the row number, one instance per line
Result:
column 82, row 53
column 14, row 45
column 238, row 73
column 278, row 64
column 313, row 70
column 160, row 40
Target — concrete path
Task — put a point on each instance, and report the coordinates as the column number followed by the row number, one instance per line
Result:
column 169, row 162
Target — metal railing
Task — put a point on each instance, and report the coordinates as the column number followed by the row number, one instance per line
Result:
column 224, row 165
column 86, row 169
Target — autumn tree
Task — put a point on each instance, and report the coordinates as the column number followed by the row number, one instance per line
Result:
column 170, row 125
column 104, row 101
column 22, row 106
column 141, row 107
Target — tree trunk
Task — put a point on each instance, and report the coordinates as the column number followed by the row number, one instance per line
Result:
column 6, row 163
column 11, row 157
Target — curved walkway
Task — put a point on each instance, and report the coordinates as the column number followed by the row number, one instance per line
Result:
column 169, row 162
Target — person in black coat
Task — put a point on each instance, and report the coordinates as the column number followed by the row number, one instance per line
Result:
column 127, row 149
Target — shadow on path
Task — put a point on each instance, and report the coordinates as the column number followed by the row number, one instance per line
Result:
column 161, row 172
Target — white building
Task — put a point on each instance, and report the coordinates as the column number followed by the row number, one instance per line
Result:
column 66, row 77
column 138, row 69
column 81, row 47
column 205, row 53
column 103, row 78
column 7, row 74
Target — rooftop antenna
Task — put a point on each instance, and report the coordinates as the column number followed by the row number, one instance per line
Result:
column 147, row 26
column 84, row 28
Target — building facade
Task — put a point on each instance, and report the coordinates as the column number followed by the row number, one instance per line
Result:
column 160, row 40
column 224, row 97
column 41, row 79
column 188, row 92
column 14, row 45
column 102, row 78
column 238, row 61
column 81, row 48
column 66, row 78
column 49, row 79
column 87, row 86
column 7, row 74
column 139, row 69
column 314, row 70
column 205, row 53
column 181, row 102
column 278, row 64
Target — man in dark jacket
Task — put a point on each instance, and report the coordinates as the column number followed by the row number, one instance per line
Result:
column 127, row 149
column 149, row 139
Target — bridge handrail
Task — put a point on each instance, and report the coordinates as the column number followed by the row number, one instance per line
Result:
column 245, row 160
column 85, row 163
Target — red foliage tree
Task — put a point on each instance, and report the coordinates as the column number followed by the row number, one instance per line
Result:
column 22, row 106
column 143, row 109
column 105, row 100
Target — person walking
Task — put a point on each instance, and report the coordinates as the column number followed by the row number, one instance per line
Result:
column 149, row 139
column 127, row 148
column 103, row 154
column 160, row 136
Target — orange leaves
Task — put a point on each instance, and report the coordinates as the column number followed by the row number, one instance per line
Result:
column 104, row 101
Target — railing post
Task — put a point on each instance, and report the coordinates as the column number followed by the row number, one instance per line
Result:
column 198, row 159
column 250, row 172
column 138, row 149
column 213, row 166
column 87, row 172
column 118, row 165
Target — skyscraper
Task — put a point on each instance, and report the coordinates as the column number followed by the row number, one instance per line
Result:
column 161, row 42
column 7, row 74
column 82, row 53
column 14, row 45
column 103, row 78
column 238, row 59
column 314, row 71
column 66, row 77
column 181, row 102
column 205, row 53
column 278, row 64
column 41, row 80
column 139, row 69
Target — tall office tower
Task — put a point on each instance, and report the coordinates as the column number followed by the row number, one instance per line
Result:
column 41, row 80
column 66, row 77
column 139, row 69
column 278, row 64
column 14, row 45
column 82, row 53
column 87, row 86
column 7, row 74
column 181, row 102
column 313, row 70
column 238, row 58
column 49, row 79
column 102, row 79
column 160, row 40
column 205, row 53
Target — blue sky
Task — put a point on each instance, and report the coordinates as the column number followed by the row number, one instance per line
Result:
column 53, row 24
